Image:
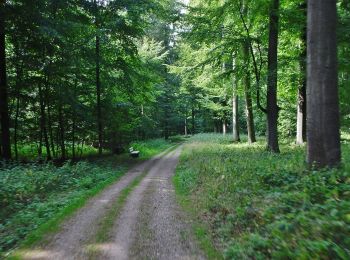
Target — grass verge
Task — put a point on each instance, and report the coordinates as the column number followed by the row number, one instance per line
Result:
column 200, row 229
column 257, row 205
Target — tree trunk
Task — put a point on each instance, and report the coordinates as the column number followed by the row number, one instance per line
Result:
column 16, row 126
column 248, row 97
column 235, row 117
column 61, row 130
column 224, row 127
column 186, row 125
column 272, row 107
column 323, row 122
column 98, row 84
column 50, row 131
column 4, row 111
column 301, row 107
column 193, row 122
column 43, row 122
column 73, row 135
column 301, row 116
column 18, row 101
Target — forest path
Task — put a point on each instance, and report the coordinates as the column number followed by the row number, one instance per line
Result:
column 150, row 225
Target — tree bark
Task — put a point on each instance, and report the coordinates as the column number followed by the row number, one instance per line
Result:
column 73, row 135
column 61, row 128
column 323, row 122
column 4, row 110
column 16, row 126
column 248, row 97
column 98, row 82
column 272, row 107
column 193, row 121
column 235, row 116
column 301, row 106
column 19, row 72
column 235, row 119
column 50, row 130
column 43, row 122
column 224, row 127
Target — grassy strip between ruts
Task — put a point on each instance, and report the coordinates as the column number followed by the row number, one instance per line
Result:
column 108, row 221
column 79, row 199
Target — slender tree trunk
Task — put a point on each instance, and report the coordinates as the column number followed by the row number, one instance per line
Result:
column 18, row 84
column 272, row 107
column 224, row 130
column 193, row 121
column 74, row 118
column 301, row 116
column 50, row 130
column 43, row 122
column 323, row 122
column 40, row 146
column 73, row 135
column 186, row 125
column 16, row 125
column 98, row 82
column 301, row 107
column 235, row 119
column 4, row 110
column 61, row 129
column 235, row 116
column 248, row 97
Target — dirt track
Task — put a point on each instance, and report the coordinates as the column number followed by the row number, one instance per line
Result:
column 150, row 225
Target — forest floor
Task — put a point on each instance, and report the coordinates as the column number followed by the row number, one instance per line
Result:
column 247, row 203
column 137, row 217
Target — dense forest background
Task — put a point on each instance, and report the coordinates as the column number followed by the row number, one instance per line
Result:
column 85, row 75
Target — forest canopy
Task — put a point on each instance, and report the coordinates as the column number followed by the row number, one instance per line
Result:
column 100, row 74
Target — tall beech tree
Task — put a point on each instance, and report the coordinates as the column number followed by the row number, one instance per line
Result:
column 4, row 111
column 98, row 76
column 272, row 106
column 323, row 135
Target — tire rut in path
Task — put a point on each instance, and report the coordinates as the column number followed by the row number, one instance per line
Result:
column 151, row 224
column 75, row 233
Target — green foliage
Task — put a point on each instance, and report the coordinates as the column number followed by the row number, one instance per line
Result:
column 262, row 206
column 52, row 60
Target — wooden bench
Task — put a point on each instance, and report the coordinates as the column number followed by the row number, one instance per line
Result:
column 134, row 154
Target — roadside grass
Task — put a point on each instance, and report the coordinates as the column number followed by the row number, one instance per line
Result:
column 200, row 229
column 36, row 198
column 251, row 204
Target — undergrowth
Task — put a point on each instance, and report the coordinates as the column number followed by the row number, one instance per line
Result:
column 258, row 205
